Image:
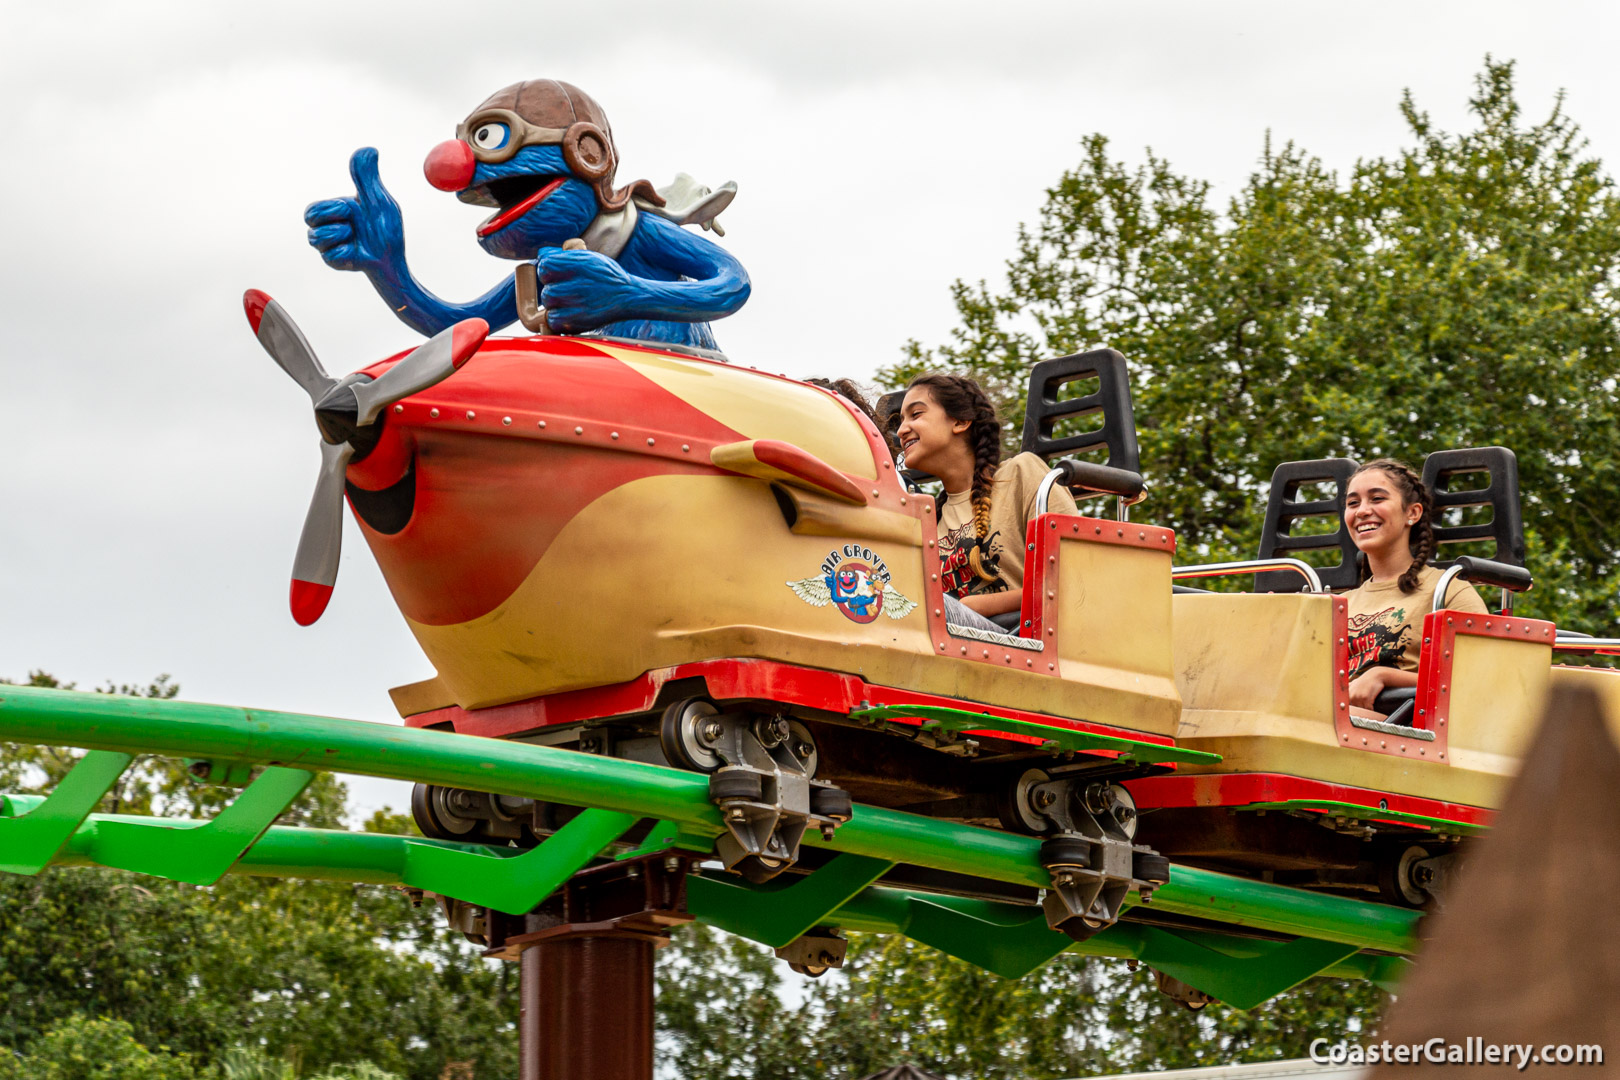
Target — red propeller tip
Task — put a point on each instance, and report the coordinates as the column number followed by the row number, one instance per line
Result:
column 465, row 338
column 308, row 601
column 254, row 302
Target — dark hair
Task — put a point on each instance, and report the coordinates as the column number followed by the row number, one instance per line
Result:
column 1421, row 539
column 963, row 399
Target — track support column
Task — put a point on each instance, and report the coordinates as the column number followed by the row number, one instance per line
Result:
column 586, row 964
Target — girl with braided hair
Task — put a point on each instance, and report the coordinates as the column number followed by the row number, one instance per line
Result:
column 1387, row 509
column 948, row 429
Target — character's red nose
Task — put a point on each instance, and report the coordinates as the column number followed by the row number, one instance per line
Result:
column 449, row 166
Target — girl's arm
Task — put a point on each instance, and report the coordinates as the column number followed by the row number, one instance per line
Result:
column 1365, row 688
column 996, row 603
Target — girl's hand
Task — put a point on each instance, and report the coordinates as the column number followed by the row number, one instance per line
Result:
column 1365, row 688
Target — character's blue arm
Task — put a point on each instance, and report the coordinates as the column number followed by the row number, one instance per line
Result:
column 582, row 290
column 367, row 233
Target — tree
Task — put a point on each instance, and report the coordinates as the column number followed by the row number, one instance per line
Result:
column 721, row 1016
column 316, row 974
column 85, row 1049
column 1459, row 293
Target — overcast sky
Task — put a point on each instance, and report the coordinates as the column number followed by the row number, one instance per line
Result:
column 158, row 157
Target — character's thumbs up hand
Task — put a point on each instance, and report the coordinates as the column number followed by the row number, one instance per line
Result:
column 365, row 232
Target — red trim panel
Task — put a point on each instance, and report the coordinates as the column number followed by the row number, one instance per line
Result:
column 1440, row 632
column 1246, row 789
column 733, row 679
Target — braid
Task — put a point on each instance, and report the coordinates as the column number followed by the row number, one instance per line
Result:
column 986, row 435
column 1423, row 549
column 1421, row 540
column 964, row 399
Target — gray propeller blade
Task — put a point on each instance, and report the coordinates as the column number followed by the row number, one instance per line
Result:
column 286, row 344
column 427, row 365
column 315, row 567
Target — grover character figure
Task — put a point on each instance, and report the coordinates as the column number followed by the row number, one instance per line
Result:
column 594, row 257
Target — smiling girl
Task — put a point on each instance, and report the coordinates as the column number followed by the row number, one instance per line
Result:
column 1387, row 510
column 948, row 429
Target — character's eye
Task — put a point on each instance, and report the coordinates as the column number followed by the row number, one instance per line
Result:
column 490, row 136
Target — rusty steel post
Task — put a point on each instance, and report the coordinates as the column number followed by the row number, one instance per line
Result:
column 595, row 1015
column 586, row 969
column 529, row 1015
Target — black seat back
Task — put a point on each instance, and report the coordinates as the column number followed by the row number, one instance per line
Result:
column 1283, row 509
column 1047, row 408
column 1501, row 494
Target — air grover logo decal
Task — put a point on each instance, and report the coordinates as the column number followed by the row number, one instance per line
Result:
column 854, row 579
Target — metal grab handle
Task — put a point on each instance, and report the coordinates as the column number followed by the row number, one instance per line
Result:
column 1570, row 641
column 1313, row 583
column 1043, row 494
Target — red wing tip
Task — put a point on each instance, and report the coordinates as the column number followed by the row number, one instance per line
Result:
column 309, row 600
column 254, row 302
column 465, row 338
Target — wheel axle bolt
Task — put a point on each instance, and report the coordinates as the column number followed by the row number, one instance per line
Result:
column 1043, row 799
column 712, row 730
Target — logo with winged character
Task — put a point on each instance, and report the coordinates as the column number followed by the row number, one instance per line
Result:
column 854, row 580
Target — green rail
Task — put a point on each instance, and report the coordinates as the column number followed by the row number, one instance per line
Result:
column 620, row 790
column 1008, row 939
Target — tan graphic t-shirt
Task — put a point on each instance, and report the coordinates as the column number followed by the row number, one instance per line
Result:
column 1386, row 625
column 1012, row 504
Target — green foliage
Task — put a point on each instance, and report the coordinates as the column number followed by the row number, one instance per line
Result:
column 1459, row 293
column 895, row 1001
column 80, row 1048
column 315, row 974
column 252, row 1063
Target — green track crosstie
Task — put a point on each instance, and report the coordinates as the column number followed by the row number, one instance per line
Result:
column 1054, row 739
column 1315, row 932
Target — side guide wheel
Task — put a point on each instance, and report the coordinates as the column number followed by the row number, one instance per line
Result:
column 686, row 733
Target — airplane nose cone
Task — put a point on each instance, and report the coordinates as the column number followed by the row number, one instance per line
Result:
column 449, row 166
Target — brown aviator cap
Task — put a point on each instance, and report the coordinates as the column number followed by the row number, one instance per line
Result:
column 558, row 113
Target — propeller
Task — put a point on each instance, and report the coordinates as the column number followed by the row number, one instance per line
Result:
column 346, row 411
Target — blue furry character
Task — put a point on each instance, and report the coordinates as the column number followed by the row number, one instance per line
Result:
column 541, row 152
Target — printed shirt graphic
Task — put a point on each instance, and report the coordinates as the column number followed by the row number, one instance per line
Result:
column 1386, row 625
column 956, row 540
column 1012, row 504
column 1379, row 638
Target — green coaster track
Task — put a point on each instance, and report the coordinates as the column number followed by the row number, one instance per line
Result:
column 1263, row 938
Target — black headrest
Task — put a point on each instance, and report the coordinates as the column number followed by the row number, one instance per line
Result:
column 1112, row 398
column 1283, row 508
column 1501, row 494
